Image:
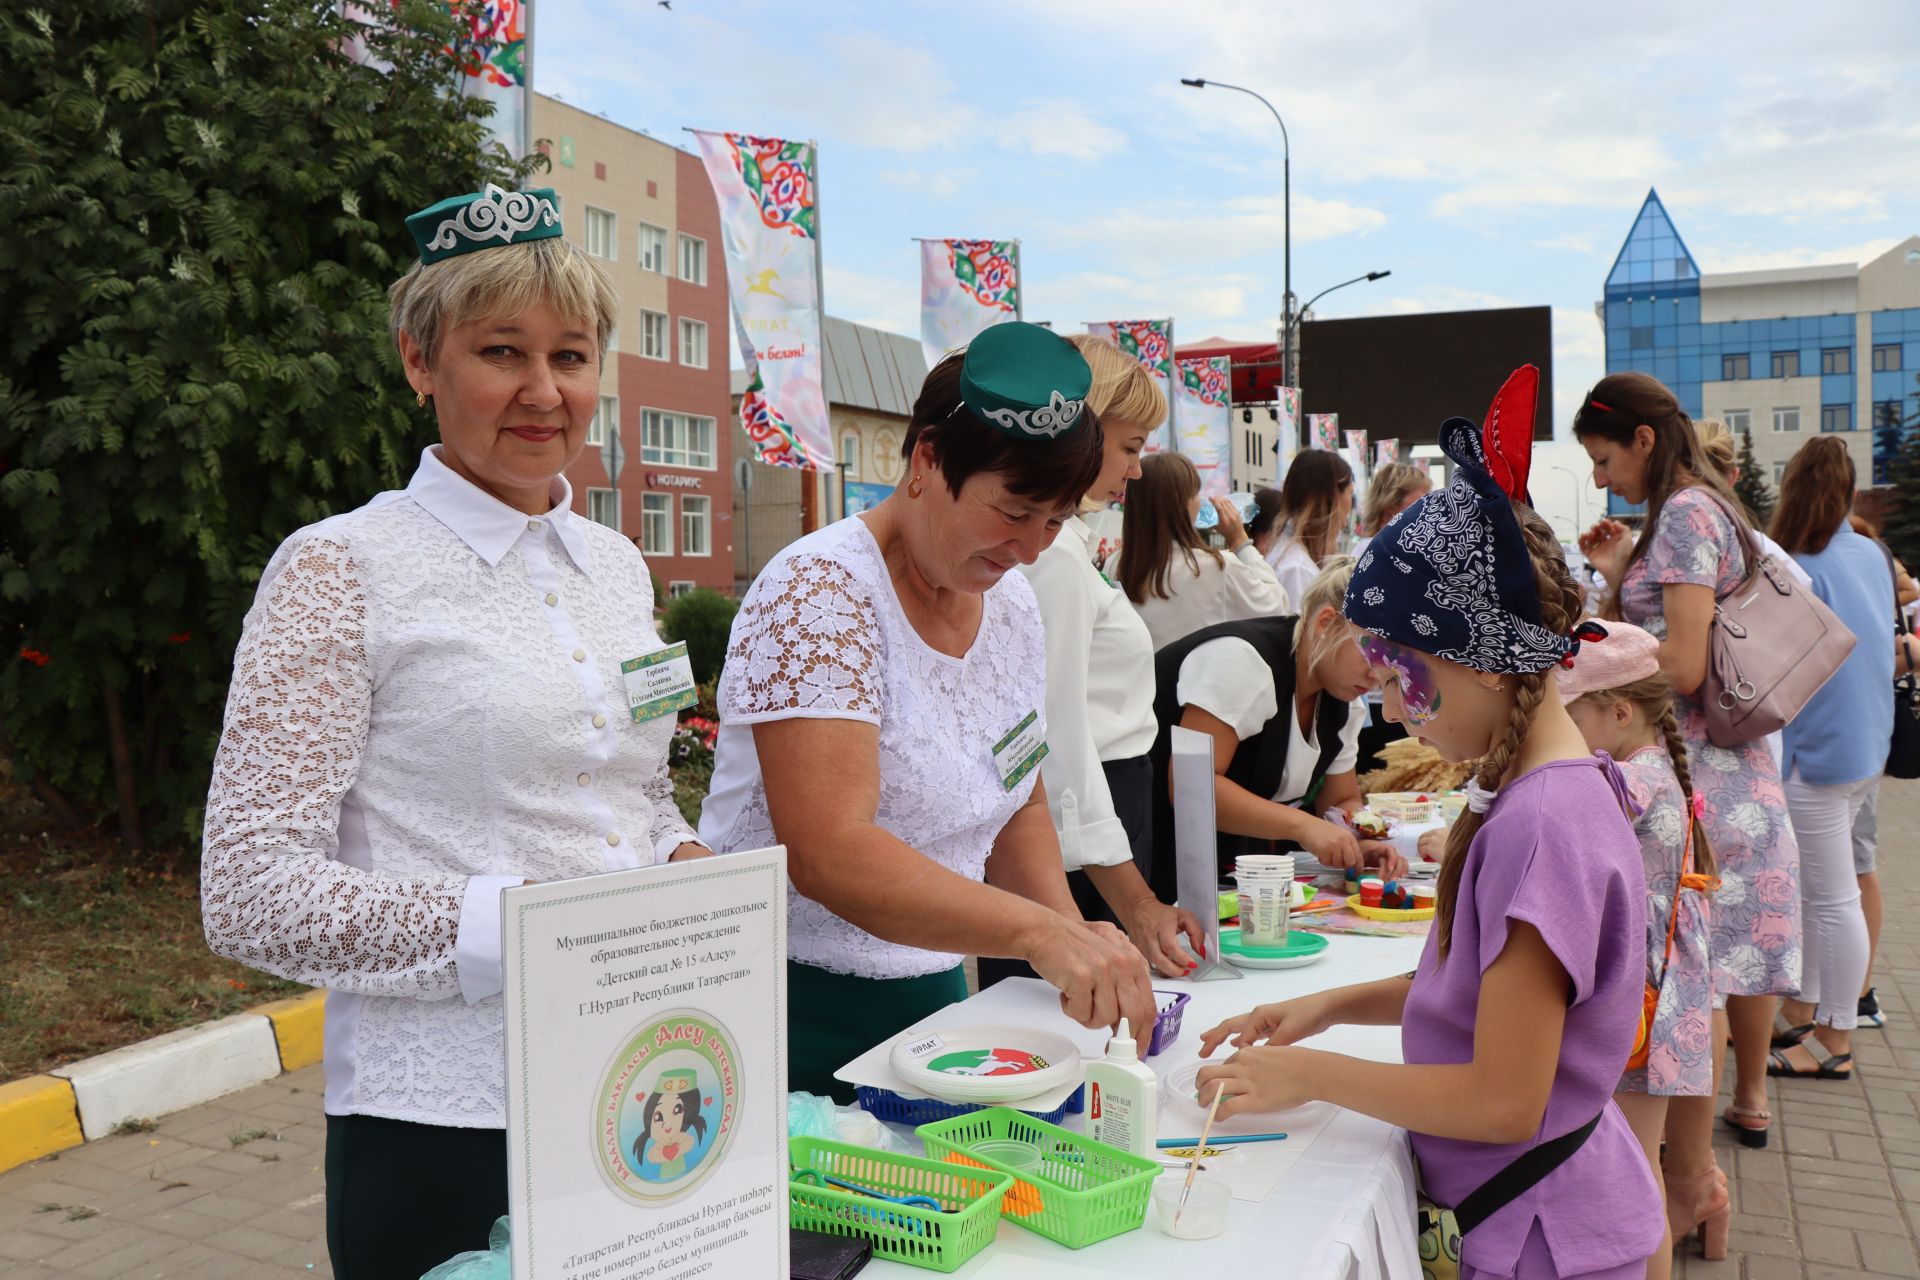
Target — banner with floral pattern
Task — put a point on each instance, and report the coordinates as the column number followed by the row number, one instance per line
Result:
column 965, row 286
column 1286, row 421
column 1385, row 453
column 770, row 227
column 489, row 51
column 1323, row 431
column 1203, row 420
column 1151, row 343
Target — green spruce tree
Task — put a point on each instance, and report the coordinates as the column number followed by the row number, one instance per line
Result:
column 1752, row 487
column 1902, row 512
column 201, row 208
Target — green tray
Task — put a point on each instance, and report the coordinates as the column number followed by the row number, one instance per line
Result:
column 1299, row 946
column 905, row 1233
column 1083, row 1191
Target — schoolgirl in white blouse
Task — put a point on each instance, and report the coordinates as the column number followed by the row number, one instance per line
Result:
column 426, row 708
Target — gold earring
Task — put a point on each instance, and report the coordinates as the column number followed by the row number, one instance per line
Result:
column 915, row 487
column 420, row 398
column 1496, row 685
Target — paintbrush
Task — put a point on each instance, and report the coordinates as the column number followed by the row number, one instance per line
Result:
column 1193, row 1165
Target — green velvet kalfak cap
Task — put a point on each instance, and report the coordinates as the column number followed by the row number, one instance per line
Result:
column 487, row 219
column 1026, row 381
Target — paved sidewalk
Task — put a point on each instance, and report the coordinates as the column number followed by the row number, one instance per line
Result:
column 234, row 1188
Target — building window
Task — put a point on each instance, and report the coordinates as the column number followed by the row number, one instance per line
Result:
column 1735, row 369
column 603, row 507
column 679, row 587
column 1779, row 473
column 1886, row 357
column 850, row 454
column 696, row 524
column 1786, row 419
column 693, row 343
column 1739, row 421
column 676, row 439
column 1786, row 364
column 656, row 524
column 1640, row 335
column 654, row 342
column 602, row 234
column 1836, row 360
column 653, row 248
column 1836, row 417
column 605, row 417
column 693, row 259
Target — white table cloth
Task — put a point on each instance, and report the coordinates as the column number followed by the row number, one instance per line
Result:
column 1345, row 1210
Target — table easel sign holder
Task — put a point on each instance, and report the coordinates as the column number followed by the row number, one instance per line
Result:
column 646, row 1034
column 1195, row 844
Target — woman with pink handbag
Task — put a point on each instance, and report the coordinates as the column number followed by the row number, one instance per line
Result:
column 1697, row 550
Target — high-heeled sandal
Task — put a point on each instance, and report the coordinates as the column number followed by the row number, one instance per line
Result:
column 1750, row 1135
column 1699, row 1205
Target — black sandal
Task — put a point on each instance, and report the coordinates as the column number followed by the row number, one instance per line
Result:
column 1827, row 1066
column 1785, row 1034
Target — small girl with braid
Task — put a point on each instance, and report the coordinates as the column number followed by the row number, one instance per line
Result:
column 1623, row 704
column 1527, row 1001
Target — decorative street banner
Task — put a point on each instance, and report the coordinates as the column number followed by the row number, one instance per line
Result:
column 1385, row 453
column 1286, row 418
column 1203, row 420
column 492, row 53
column 1151, row 343
column 965, row 286
column 646, row 1023
column 1357, row 446
column 1323, row 431
column 770, row 225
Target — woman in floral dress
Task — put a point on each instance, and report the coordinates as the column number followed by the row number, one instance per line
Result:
column 1694, row 551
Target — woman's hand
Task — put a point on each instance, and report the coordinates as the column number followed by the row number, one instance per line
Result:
column 1384, row 857
column 688, row 851
column 1433, row 844
column 1606, row 546
column 1232, row 527
column 1286, row 1022
column 1155, row 929
column 1333, row 844
column 1102, row 979
column 1259, row 1080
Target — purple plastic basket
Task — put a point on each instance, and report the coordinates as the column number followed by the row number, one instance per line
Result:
column 1166, row 1027
column 885, row 1104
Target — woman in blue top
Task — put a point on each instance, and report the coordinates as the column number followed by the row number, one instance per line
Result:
column 1834, row 752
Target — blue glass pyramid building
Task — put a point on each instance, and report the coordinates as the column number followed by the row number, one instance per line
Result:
column 1652, row 307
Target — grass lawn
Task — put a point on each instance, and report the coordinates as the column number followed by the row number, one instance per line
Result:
column 99, row 950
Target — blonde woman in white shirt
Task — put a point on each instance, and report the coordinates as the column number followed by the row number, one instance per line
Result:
column 1175, row 580
column 1316, row 500
column 426, row 708
column 1100, row 723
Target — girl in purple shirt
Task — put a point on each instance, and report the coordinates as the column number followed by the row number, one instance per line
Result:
column 1524, row 1010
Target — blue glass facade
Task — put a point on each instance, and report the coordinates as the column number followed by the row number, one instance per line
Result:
column 1896, row 396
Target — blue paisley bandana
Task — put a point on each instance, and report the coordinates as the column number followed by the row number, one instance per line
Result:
column 1451, row 575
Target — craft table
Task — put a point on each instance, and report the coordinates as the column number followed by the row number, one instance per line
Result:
column 1346, row 1209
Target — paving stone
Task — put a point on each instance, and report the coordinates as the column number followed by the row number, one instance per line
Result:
column 1756, row 1266
column 1891, row 1255
column 1828, row 1244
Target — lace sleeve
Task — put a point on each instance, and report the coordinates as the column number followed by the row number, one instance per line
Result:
column 807, row 644
column 272, row 893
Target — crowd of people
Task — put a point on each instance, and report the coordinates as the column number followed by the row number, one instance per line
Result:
column 957, row 724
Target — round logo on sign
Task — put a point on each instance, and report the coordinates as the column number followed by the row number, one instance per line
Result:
column 988, row 1062
column 667, row 1107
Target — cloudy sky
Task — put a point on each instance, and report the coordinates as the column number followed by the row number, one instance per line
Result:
column 1486, row 155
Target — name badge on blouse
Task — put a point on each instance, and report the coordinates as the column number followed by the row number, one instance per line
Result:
column 659, row 683
column 1020, row 752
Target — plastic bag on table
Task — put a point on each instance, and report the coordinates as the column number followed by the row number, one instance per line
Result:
column 492, row 1263
column 811, row 1116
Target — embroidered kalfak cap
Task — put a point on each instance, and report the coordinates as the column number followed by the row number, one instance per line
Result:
column 487, row 219
column 1026, row 381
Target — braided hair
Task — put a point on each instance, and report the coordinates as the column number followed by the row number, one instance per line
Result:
column 1653, row 695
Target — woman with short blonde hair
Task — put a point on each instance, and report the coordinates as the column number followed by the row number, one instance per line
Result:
column 1390, row 490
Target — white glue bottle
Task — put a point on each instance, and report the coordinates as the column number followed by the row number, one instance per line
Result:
column 1122, row 1097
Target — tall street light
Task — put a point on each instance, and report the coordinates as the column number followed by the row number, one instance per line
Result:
column 1286, row 179
column 1370, row 276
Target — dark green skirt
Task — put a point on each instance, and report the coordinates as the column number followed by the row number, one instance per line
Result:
column 833, row 1018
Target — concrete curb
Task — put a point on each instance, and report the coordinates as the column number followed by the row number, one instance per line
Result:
column 89, row 1099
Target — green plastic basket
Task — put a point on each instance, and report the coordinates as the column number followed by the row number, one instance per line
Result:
column 1083, row 1190
column 905, row 1233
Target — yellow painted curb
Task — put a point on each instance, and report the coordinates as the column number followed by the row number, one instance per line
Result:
column 299, row 1027
column 37, row 1118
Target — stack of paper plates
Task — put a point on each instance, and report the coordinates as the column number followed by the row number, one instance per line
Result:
column 984, row 1064
column 1301, row 948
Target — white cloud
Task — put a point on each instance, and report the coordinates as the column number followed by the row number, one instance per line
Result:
column 1441, row 298
column 1193, row 233
column 1724, row 259
column 1057, row 127
column 942, row 184
column 881, row 301
column 1579, row 358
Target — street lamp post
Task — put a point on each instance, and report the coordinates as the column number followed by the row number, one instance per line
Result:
column 1370, row 276
column 1286, row 189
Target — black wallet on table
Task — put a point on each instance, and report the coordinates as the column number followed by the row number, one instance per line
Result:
column 815, row 1255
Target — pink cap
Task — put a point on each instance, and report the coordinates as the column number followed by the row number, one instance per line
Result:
column 1627, row 654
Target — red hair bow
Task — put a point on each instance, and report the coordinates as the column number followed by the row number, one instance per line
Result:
column 1506, row 437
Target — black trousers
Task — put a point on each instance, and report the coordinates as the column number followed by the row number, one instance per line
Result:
column 403, row 1198
column 1131, row 782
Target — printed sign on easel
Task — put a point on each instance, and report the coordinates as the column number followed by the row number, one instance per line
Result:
column 1196, row 843
column 646, row 1071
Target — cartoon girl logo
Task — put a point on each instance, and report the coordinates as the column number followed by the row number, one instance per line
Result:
column 667, row 1106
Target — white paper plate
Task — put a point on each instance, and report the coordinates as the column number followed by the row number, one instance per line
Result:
column 990, row 1064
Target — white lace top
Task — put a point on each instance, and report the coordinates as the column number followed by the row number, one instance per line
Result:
column 821, row 635
column 427, row 707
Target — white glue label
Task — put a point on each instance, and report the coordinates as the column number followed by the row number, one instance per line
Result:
column 1110, row 1118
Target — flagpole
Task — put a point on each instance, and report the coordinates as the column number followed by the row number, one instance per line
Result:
column 1019, row 286
column 820, row 302
column 526, row 88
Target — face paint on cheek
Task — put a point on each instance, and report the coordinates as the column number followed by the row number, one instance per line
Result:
column 1419, row 693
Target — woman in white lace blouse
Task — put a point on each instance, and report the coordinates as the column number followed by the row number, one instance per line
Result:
column 882, row 715
column 427, row 708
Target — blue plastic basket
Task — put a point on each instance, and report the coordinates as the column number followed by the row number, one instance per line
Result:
column 885, row 1104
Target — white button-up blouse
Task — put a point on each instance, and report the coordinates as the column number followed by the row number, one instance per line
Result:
column 426, row 708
